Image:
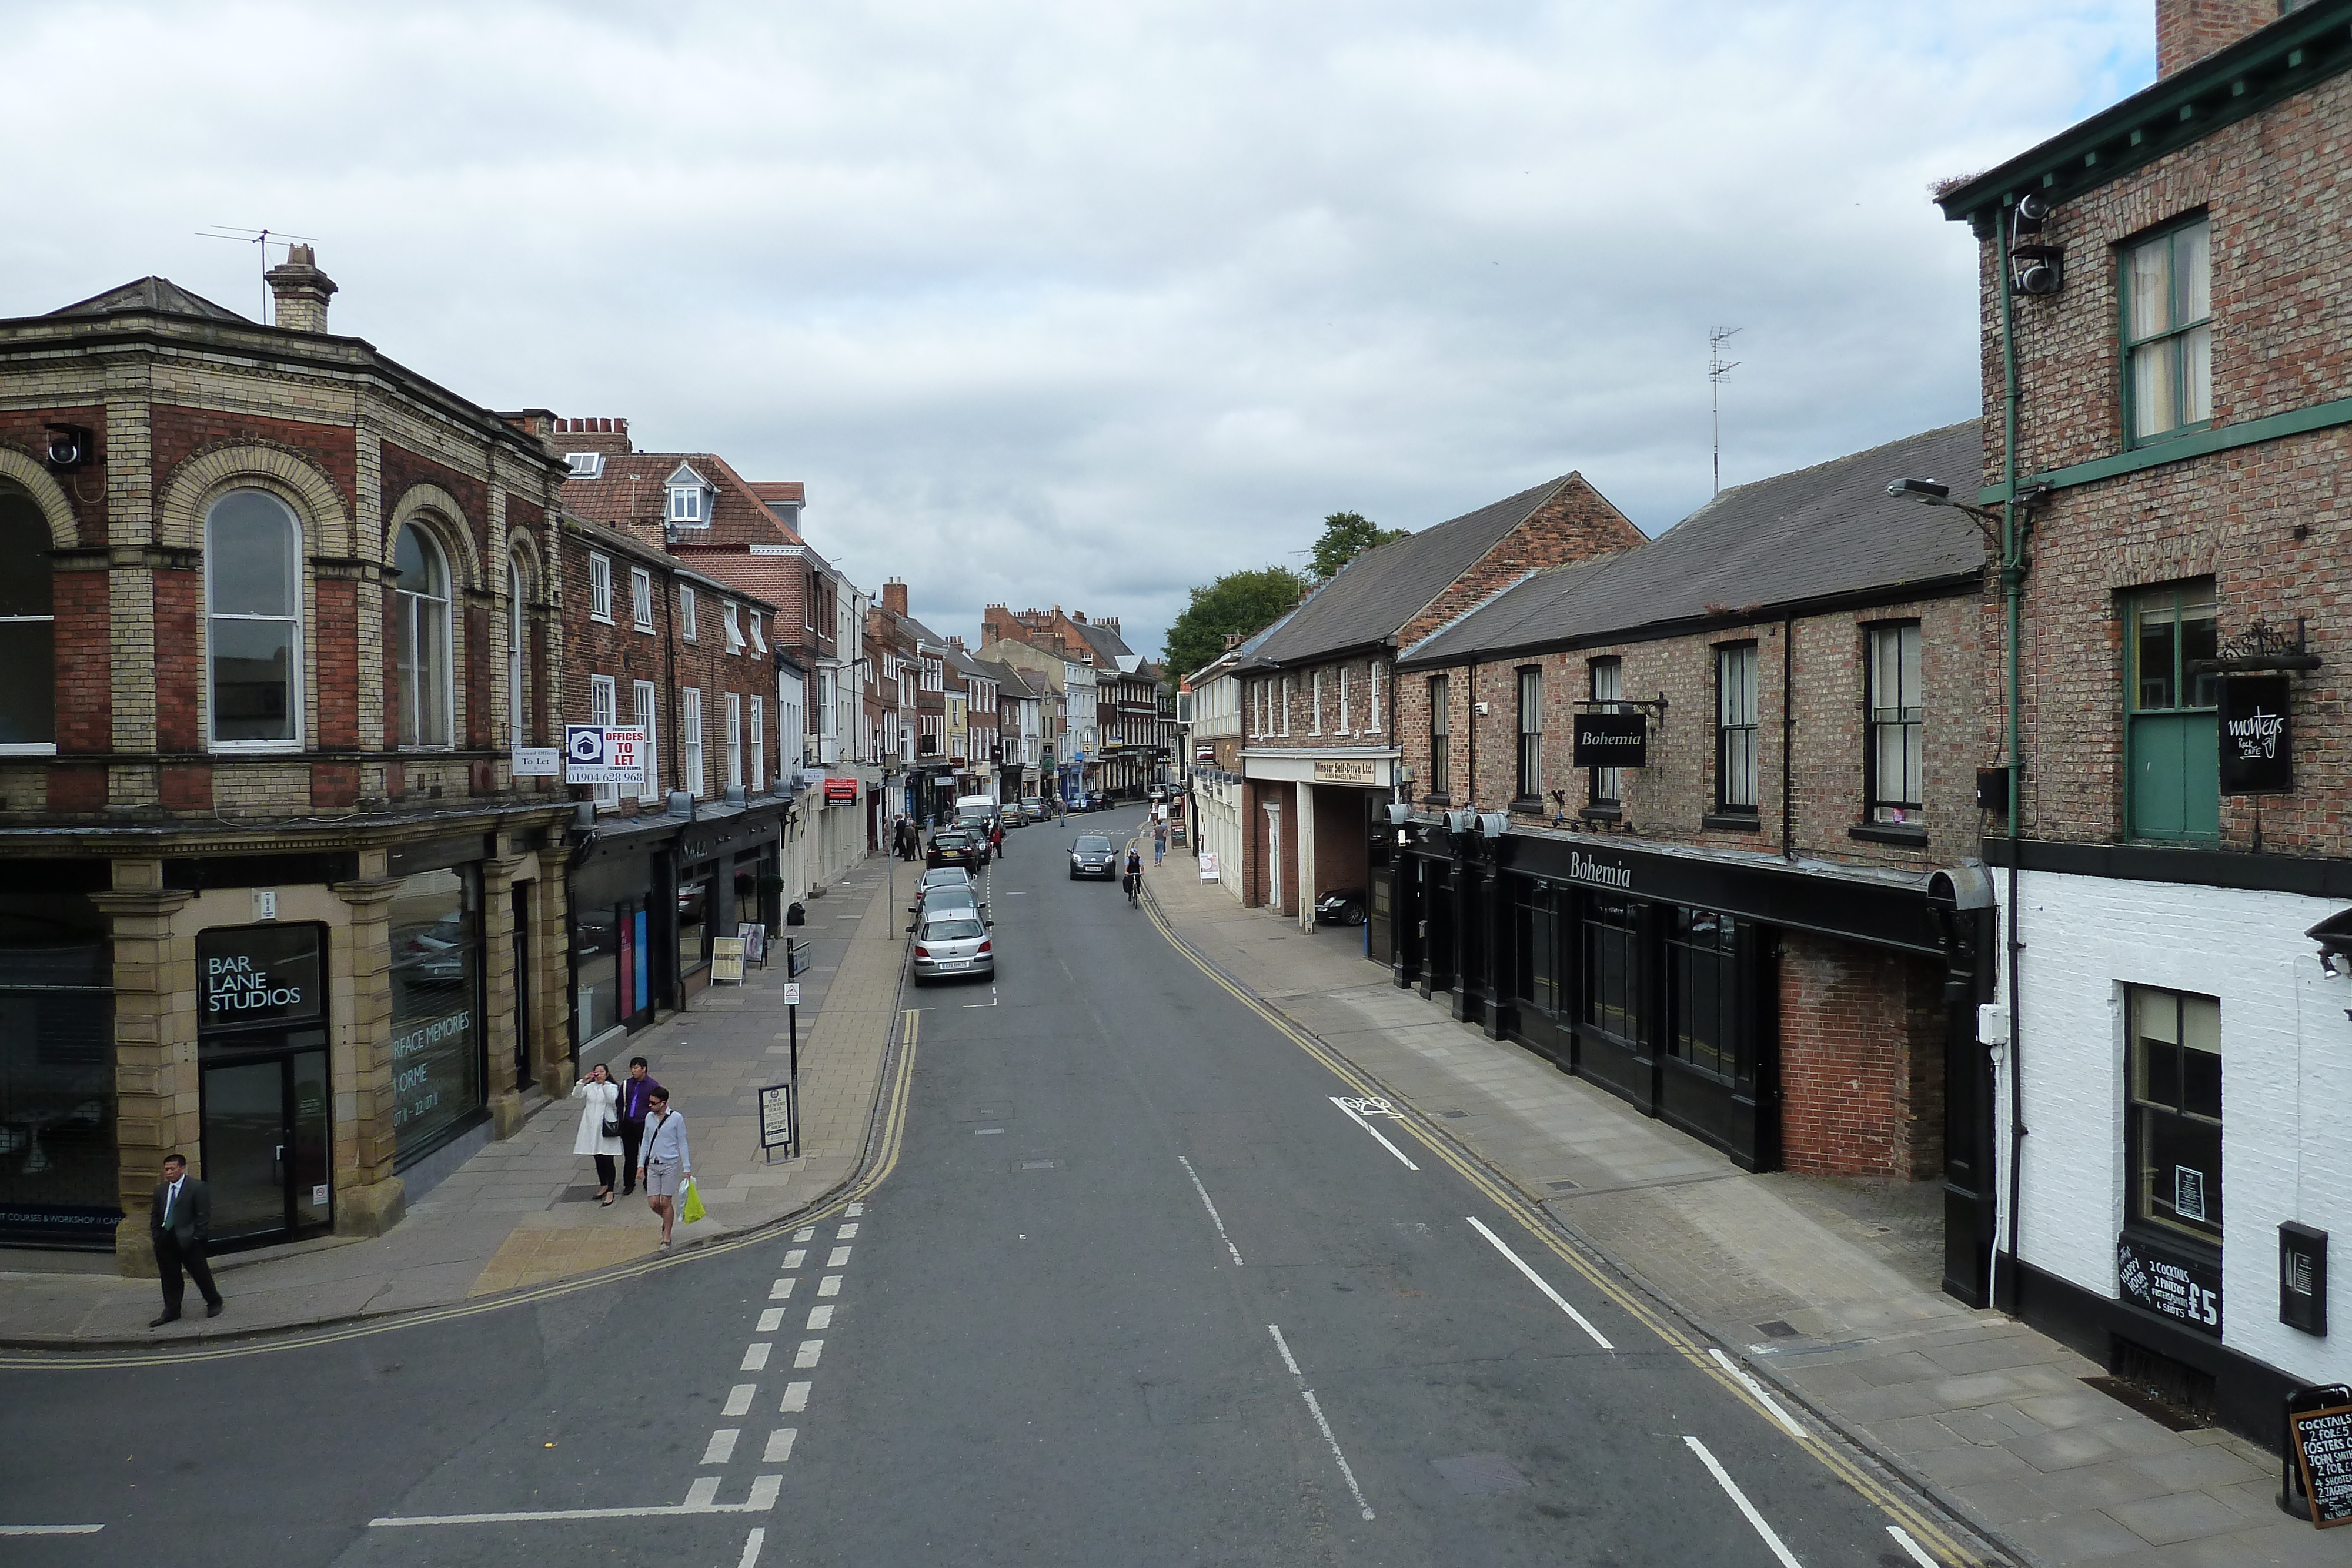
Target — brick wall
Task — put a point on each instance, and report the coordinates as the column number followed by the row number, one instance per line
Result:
column 27, row 431
column 1861, row 1060
column 2189, row 30
column 84, row 660
column 1576, row 524
column 179, row 433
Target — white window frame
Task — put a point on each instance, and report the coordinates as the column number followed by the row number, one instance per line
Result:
column 1344, row 727
column 1315, row 719
column 758, row 641
column 430, row 622
column 604, row 708
column 1285, row 718
column 685, row 621
column 1372, row 720
column 730, row 617
column 600, row 588
column 759, row 744
column 641, row 598
column 686, row 508
column 297, row 684
column 689, row 723
column 734, row 740
column 649, row 717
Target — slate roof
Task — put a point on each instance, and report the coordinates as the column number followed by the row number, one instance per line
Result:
column 632, row 493
column 1817, row 533
column 1375, row 595
column 1106, row 644
column 159, row 294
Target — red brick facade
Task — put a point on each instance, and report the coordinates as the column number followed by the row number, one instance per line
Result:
column 1862, row 1064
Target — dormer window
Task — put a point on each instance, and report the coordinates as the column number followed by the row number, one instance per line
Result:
column 689, row 499
column 585, row 464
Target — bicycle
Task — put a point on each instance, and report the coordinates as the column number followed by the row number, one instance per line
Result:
column 1134, row 880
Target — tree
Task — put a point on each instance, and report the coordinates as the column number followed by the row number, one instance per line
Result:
column 1240, row 603
column 1345, row 536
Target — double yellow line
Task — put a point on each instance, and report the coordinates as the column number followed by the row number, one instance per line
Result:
column 1922, row 1527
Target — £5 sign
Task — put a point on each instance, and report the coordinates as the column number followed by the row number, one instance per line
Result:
column 603, row 754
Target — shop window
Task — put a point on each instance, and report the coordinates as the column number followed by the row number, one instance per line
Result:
column 697, row 893
column 253, row 614
column 420, row 636
column 1530, row 755
column 1613, row 996
column 603, row 707
column 1700, row 990
column 1735, row 727
column 438, row 1076
column 1441, row 735
column 1898, row 747
column 1535, row 967
column 57, row 1072
column 2172, row 739
column 29, row 676
column 2172, row 1129
column 1606, row 785
column 2169, row 332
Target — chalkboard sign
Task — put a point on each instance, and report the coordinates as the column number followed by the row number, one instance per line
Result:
column 2323, row 1453
column 2177, row 1285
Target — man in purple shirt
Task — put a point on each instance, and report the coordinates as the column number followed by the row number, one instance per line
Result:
column 637, row 1089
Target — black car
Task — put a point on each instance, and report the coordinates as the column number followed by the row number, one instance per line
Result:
column 955, row 849
column 1341, row 906
column 1093, row 854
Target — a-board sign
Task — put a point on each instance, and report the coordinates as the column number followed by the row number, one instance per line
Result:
column 2323, row 1453
column 776, row 1116
column 1209, row 867
column 727, row 961
column 755, row 941
column 1611, row 740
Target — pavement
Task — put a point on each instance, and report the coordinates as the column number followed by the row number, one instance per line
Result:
column 1829, row 1288
column 523, row 1212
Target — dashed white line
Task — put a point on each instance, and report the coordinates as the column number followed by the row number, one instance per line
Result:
column 739, row 1399
column 792, row 1258
column 780, row 1445
column 751, row 1548
column 853, row 1210
column 721, row 1447
column 795, row 1396
column 755, row 1356
column 1918, row 1552
column 1541, row 1284
column 845, row 1233
column 806, row 1233
column 772, row 1320
column 1349, row 1112
column 1787, row 1421
column 840, row 1256
column 702, row 1497
column 781, row 1290
column 808, row 1352
column 50, row 1529
column 1788, row 1558
column 820, row 1317
column 829, row 1286
column 1315, row 1410
column 1214, row 1217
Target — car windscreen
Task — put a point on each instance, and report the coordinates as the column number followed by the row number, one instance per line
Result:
column 950, row 930
column 951, row 840
column 1092, row 843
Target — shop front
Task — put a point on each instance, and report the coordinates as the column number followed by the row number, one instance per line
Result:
column 439, row 1046
column 619, row 923
column 1327, row 802
column 56, row 1065
column 265, row 1082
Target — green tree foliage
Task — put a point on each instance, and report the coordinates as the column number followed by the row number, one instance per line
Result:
column 1345, row 536
column 1243, row 602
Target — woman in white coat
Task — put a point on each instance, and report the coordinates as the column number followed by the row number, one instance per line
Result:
column 603, row 1097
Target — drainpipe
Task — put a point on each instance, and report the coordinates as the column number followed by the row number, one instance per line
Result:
column 1787, row 726
column 2012, row 582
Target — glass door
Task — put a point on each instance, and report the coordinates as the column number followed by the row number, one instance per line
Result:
column 268, row 1150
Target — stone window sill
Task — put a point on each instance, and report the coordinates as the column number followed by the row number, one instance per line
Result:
column 1902, row 834
column 1733, row 822
column 1603, row 813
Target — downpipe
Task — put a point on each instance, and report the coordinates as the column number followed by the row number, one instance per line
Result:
column 2012, row 579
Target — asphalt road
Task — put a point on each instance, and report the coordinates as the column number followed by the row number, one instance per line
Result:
column 1138, row 1291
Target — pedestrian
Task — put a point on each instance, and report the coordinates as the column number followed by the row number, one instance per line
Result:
column 636, row 1093
column 1158, row 843
column 179, row 1223
column 602, row 1111
column 996, row 837
column 667, row 1162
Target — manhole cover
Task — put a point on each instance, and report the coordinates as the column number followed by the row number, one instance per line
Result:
column 1561, row 1186
column 1453, row 1115
column 1474, row 1474
column 1777, row 1329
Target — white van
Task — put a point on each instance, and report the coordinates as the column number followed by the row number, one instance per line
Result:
column 977, row 812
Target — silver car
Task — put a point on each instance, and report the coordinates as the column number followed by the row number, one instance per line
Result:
column 953, row 943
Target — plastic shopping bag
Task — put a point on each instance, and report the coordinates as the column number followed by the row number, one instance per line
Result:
column 690, row 1209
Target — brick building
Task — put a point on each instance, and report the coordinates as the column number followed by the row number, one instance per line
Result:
column 1319, row 752
column 1764, row 926
column 2163, row 291
column 1049, row 646
column 280, row 611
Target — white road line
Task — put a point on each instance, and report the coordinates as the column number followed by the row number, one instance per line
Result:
column 721, row 1447
column 1214, row 1218
column 839, row 1256
column 820, row 1317
column 751, row 1547
column 809, row 1351
column 1788, row 1558
column 782, row 1291
column 829, row 1286
column 1542, row 1284
column 845, row 1233
column 739, row 1399
column 795, row 1396
column 1756, row 1389
column 703, row 1492
column 50, row 1529
column 1348, row 1111
column 780, row 1445
column 987, row 1132
column 806, row 1233
column 792, row 1258
column 772, row 1320
column 1323, row 1426
column 853, row 1211
column 1918, row 1552
column 755, row 1356
column 700, row 1498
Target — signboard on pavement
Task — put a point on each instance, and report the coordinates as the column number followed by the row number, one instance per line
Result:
column 605, row 754
column 776, row 1116
column 727, row 961
column 1209, row 867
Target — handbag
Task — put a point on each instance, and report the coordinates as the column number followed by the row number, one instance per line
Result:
column 611, row 1125
column 689, row 1208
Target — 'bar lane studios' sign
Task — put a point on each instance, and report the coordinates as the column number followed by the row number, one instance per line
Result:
column 252, row 975
column 2257, row 735
column 1611, row 740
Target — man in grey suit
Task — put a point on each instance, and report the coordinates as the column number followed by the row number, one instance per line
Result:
column 179, row 1222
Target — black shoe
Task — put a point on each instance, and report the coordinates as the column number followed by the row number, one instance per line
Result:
column 212, row 1309
column 166, row 1318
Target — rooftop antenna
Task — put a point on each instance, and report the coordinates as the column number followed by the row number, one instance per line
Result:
column 262, row 239
column 1717, row 367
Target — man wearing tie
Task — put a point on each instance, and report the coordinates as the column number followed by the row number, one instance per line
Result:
column 179, row 1222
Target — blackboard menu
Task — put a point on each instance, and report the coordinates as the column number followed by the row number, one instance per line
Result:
column 2323, row 1452
column 2180, row 1287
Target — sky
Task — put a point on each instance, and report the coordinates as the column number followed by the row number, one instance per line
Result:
column 1081, row 304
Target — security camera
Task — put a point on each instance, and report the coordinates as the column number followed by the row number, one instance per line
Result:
column 69, row 447
column 2036, row 268
column 2032, row 211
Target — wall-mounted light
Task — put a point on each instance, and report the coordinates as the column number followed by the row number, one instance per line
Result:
column 2037, row 268
column 2333, row 936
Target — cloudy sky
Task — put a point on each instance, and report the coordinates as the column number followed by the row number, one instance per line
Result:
column 1081, row 303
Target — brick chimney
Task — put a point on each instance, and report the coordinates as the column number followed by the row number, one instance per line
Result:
column 894, row 596
column 1109, row 623
column 2189, row 30
column 955, row 640
column 302, row 290
column 603, row 435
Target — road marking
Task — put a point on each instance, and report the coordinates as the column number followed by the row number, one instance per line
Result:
column 781, row 1290
column 820, row 1317
column 809, row 1351
column 739, row 1399
column 986, row 1131
column 1348, row 1108
column 751, row 1547
column 806, row 1233
column 990, row 1003
column 853, row 1211
column 840, row 1256
column 795, row 1396
column 1541, row 1283
column 1756, row 1389
column 1788, row 1558
column 755, row 1356
column 793, row 1258
column 1315, row 1410
column 700, row 1498
column 829, row 1286
column 845, row 1233
column 721, row 1447
column 1903, row 1539
column 772, row 1320
column 50, row 1529
column 780, row 1445
column 1214, row 1218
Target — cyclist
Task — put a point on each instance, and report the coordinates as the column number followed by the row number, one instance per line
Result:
column 1134, row 873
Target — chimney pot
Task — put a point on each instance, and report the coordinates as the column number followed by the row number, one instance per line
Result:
column 301, row 290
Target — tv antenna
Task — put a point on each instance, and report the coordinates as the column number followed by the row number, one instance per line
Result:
column 1717, row 367
column 262, row 239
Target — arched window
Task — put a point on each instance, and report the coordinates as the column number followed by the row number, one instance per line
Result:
column 29, row 676
column 421, row 638
column 254, row 606
column 518, row 658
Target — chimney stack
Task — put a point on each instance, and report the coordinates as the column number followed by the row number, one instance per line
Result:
column 1109, row 623
column 894, row 596
column 600, row 435
column 302, row 290
column 2189, row 30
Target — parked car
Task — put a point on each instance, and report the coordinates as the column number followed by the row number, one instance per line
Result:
column 1011, row 816
column 954, row 847
column 945, row 876
column 1093, row 854
column 1033, row 807
column 950, row 944
column 1341, row 906
column 940, row 901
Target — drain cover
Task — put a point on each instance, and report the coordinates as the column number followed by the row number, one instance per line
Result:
column 1777, row 1329
column 1474, row 1474
column 1561, row 1186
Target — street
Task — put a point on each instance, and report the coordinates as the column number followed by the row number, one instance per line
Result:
column 1148, row 1283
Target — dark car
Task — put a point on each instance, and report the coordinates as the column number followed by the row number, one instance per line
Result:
column 949, row 848
column 1341, row 906
column 1093, row 854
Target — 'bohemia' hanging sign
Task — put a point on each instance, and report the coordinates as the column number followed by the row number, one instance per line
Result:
column 1611, row 740
column 2257, row 735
